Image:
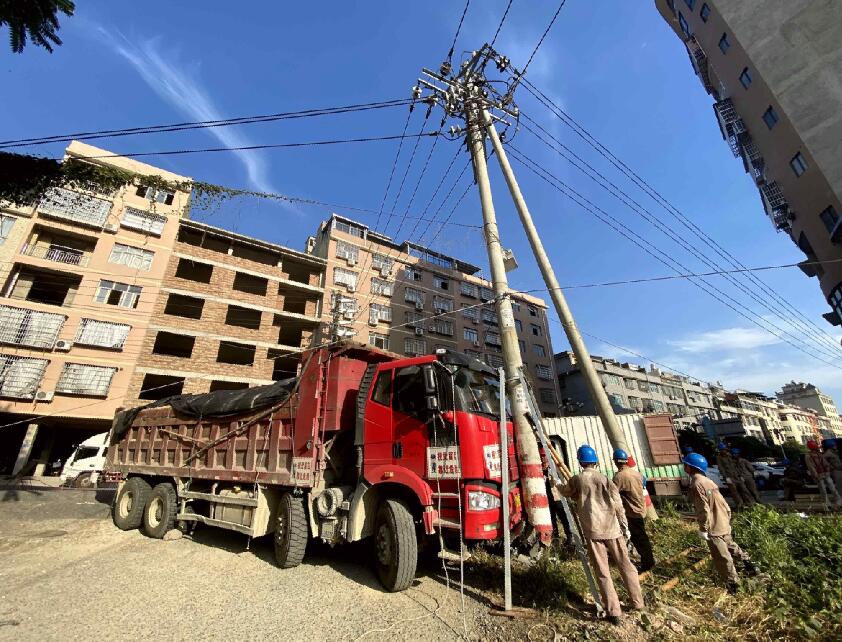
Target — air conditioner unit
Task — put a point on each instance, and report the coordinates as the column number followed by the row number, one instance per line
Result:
column 373, row 322
column 419, row 305
column 352, row 261
column 348, row 314
column 110, row 227
column 63, row 345
column 44, row 395
column 419, row 331
column 351, row 288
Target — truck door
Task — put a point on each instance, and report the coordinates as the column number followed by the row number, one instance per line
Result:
column 378, row 421
column 410, row 417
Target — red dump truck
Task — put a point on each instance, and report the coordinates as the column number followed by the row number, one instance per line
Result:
column 364, row 443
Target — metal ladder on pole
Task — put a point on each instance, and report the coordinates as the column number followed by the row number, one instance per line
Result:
column 536, row 420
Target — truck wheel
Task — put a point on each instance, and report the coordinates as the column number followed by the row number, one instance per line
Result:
column 290, row 531
column 127, row 511
column 84, row 480
column 159, row 513
column 395, row 545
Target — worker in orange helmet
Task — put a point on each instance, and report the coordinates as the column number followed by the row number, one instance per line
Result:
column 819, row 470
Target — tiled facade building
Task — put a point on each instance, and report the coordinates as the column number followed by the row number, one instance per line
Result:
column 808, row 396
column 411, row 300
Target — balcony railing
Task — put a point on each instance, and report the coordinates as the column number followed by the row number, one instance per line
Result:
column 24, row 327
column 75, row 206
column 752, row 160
column 732, row 126
column 20, row 377
column 57, row 253
column 699, row 60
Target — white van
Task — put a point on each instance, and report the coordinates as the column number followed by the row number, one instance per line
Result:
column 84, row 466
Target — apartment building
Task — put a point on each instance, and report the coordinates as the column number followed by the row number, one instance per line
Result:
column 412, row 300
column 81, row 271
column 799, row 424
column 759, row 415
column 633, row 388
column 773, row 70
column 808, row 396
column 232, row 312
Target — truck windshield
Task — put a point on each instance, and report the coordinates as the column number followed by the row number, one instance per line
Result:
column 476, row 392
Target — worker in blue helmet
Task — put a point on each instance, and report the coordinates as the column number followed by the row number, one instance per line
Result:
column 746, row 473
column 834, row 462
column 605, row 529
column 733, row 477
column 714, row 518
column 688, row 450
column 629, row 483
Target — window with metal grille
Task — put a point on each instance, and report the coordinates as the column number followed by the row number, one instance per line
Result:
column 492, row 338
column 341, row 276
column 133, row 257
column 345, row 250
column 119, row 294
column 442, row 304
column 378, row 312
column 102, row 333
column 349, row 228
column 835, row 300
column 547, row 395
column 470, row 335
column 6, row 224
column 539, row 350
column 536, row 330
column 380, row 261
column 414, row 296
column 381, row 287
column 20, row 376
column 413, row 318
column 24, row 327
column 617, row 401
column 471, row 313
column 344, row 303
column 441, row 282
column 489, row 316
column 414, row 346
column 441, row 326
column 543, row 372
column 378, row 340
column 494, row 360
column 533, row 312
column 74, row 206
column 145, row 222
column 485, row 294
column 411, row 274
column 469, row 289
column 83, row 379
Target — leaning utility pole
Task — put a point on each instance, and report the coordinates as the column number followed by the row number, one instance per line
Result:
column 598, row 394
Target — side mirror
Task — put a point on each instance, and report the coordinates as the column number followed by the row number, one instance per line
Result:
column 432, row 402
column 430, row 387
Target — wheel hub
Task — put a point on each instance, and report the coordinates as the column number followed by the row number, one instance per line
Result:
column 383, row 544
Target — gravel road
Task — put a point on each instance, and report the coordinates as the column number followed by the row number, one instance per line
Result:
column 67, row 573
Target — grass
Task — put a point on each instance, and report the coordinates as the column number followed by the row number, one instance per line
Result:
column 800, row 596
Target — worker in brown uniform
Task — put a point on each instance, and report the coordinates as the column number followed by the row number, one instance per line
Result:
column 714, row 518
column 746, row 471
column 732, row 477
column 604, row 527
column 819, row 470
column 834, row 462
column 629, row 483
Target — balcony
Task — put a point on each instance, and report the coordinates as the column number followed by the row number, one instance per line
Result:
column 28, row 283
column 20, row 377
column 731, row 125
column 699, row 60
column 776, row 206
column 75, row 207
column 752, row 160
column 23, row 327
column 56, row 253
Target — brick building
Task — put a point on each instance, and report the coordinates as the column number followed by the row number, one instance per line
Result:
column 410, row 299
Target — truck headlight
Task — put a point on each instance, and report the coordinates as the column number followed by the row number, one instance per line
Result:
column 481, row 500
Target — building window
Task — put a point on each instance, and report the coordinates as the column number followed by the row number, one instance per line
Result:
column 547, row 395
column 441, row 282
column 102, row 334
column 658, row 405
column 347, row 251
column 489, row 316
column 24, row 327
column 611, row 380
column 515, row 306
column 770, row 117
column 835, row 300
column 155, row 194
column 536, row 330
column 691, row 4
column 798, row 164
column 414, row 346
column 442, row 304
column 617, row 401
column 378, row 340
column 81, row 379
column 378, row 312
column 412, row 295
column 705, row 12
column 382, row 262
column 184, row 306
column 471, row 335
column 539, row 350
column 194, row 271
column 471, row 313
column 629, row 384
column 119, row 294
column 745, row 78
column 724, row 43
column 344, row 304
column 469, row 289
column 6, row 224
column 413, row 318
column 145, row 222
column 133, row 257
column 411, row 274
column 20, row 376
column 682, row 21
column 250, row 283
column 492, row 339
column 494, row 360
column 643, row 386
column 349, row 228
column 522, row 345
column 241, row 354
column 341, row 276
column 381, row 287
column 544, row 372
column 533, row 312
column 830, row 218
column 441, row 326
column 485, row 294
column 518, row 325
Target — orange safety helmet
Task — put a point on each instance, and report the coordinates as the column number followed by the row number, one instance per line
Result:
column 812, row 445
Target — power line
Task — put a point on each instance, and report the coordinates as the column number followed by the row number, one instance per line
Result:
column 394, row 167
column 664, row 228
column 458, row 29
column 654, row 251
column 502, row 20
column 312, row 143
column 585, row 135
column 204, row 124
column 541, row 41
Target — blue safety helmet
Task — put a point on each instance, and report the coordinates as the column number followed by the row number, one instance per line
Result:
column 695, row 460
column 586, row 455
column 787, row 462
column 688, row 450
column 722, row 445
column 829, row 443
column 735, row 452
column 620, row 455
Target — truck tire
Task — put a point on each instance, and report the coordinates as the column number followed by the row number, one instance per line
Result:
column 160, row 511
column 290, row 531
column 395, row 545
column 127, row 511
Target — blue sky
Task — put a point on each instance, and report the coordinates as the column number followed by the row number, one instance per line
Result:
column 614, row 66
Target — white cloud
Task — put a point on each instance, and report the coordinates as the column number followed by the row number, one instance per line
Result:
column 727, row 339
column 180, row 86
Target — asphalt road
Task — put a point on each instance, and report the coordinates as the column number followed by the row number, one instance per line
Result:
column 67, row 573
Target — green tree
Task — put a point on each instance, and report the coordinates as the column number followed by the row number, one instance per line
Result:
column 35, row 19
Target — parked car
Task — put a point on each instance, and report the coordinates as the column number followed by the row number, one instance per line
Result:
column 768, row 475
column 713, row 475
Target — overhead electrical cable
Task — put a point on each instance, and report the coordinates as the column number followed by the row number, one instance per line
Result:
column 458, row 30
column 541, row 40
column 502, row 20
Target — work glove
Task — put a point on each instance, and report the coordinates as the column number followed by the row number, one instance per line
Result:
column 727, row 480
column 626, row 533
column 704, row 535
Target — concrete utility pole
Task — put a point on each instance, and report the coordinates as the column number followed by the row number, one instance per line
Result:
column 531, row 471
column 598, row 394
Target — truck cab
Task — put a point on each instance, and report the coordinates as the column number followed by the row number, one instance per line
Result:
column 86, row 462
